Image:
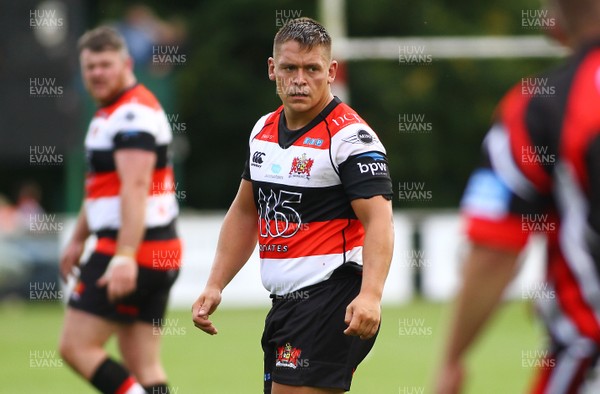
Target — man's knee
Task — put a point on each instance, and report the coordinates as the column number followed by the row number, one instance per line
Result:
column 68, row 349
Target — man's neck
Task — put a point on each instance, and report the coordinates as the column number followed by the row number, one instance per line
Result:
column 131, row 82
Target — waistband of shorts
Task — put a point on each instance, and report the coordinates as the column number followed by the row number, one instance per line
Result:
column 157, row 255
column 160, row 233
column 343, row 272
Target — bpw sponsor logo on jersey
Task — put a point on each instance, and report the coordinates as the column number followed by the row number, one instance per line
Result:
column 377, row 167
column 301, row 167
column 361, row 137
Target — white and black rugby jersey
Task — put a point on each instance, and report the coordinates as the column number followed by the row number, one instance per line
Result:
column 303, row 183
column 134, row 120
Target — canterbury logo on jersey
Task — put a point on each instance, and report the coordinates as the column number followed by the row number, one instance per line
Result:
column 257, row 159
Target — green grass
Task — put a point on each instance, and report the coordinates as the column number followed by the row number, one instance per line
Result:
column 403, row 360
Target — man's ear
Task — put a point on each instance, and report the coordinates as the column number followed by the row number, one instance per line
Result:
column 129, row 63
column 332, row 72
column 271, row 68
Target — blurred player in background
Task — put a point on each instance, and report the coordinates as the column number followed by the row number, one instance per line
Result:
column 541, row 171
column 130, row 206
column 316, row 194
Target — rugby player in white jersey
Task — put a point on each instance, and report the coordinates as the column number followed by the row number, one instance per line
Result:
column 316, row 195
column 130, row 206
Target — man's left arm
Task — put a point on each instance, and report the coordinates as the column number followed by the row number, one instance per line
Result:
column 363, row 314
column 135, row 168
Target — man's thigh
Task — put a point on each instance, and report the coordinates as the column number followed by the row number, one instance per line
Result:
column 82, row 340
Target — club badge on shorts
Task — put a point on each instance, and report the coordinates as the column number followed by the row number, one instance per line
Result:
column 287, row 356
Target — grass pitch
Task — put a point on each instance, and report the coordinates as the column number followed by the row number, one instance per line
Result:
column 403, row 361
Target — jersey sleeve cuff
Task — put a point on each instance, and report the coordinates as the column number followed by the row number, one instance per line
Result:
column 135, row 140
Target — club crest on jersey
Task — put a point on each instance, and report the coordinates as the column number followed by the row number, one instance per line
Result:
column 287, row 356
column 301, row 166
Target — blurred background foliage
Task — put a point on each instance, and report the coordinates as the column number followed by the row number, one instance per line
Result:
column 222, row 89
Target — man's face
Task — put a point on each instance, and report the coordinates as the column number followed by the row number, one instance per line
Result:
column 302, row 76
column 104, row 73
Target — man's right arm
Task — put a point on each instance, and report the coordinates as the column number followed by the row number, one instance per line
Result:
column 486, row 274
column 237, row 241
column 74, row 249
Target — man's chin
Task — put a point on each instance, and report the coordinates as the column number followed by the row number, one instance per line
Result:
column 298, row 100
column 102, row 96
column 299, row 105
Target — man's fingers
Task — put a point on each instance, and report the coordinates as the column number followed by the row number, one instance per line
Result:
column 353, row 327
column 66, row 268
column 349, row 313
column 103, row 281
column 203, row 312
column 207, row 307
column 205, row 325
column 361, row 326
column 201, row 315
column 369, row 332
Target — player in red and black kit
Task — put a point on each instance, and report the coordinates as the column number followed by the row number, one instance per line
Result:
column 130, row 206
column 541, row 173
column 316, row 195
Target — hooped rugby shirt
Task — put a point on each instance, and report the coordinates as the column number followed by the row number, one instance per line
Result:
column 541, row 173
column 134, row 120
column 303, row 182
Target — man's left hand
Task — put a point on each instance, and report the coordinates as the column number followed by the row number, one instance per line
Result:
column 363, row 315
column 120, row 277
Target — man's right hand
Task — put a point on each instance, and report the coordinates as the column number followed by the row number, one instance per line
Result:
column 450, row 378
column 204, row 306
column 70, row 259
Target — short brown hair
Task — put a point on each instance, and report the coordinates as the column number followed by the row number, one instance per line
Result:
column 306, row 31
column 102, row 38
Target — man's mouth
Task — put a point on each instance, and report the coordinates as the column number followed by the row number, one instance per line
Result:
column 98, row 84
